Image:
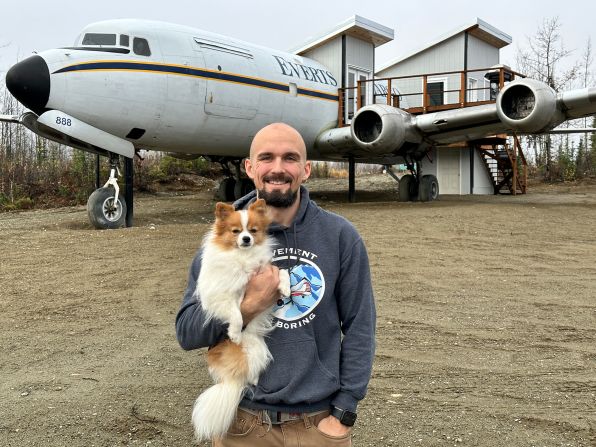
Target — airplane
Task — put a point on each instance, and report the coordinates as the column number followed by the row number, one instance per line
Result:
column 131, row 84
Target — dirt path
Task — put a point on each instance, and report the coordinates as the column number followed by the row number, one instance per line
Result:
column 486, row 330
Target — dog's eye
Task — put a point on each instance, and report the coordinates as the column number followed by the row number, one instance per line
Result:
column 236, row 231
column 253, row 230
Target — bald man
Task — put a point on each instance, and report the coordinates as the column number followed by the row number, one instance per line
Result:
column 323, row 342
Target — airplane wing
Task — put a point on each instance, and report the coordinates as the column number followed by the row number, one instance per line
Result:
column 524, row 106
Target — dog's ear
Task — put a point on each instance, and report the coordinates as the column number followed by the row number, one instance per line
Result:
column 223, row 210
column 259, row 206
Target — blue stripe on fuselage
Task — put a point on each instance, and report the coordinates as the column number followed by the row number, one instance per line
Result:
column 187, row 71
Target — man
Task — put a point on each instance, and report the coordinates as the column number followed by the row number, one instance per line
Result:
column 323, row 340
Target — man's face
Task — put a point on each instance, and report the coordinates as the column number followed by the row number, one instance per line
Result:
column 278, row 165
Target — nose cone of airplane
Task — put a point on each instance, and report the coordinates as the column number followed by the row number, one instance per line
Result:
column 29, row 83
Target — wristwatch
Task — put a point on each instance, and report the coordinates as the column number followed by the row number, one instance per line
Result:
column 347, row 418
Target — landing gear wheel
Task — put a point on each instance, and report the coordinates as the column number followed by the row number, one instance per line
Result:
column 407, row 190
column 103, row 213
column 226, row 190
column 243, row 187
column 429, row 188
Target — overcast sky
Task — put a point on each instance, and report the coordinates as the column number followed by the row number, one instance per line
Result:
column 283, row 25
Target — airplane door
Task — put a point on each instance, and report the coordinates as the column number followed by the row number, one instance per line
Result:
column 351, row 99
column 230, row 70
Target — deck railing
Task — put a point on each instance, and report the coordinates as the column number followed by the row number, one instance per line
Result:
column 425, row 93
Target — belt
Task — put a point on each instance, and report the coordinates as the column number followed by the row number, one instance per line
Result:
column 279, row 417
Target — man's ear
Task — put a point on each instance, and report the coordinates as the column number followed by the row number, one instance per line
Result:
column 307, row 170
column 223, row 210
column 248, row 168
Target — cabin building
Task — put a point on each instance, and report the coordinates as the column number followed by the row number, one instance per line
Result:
column 429, row 79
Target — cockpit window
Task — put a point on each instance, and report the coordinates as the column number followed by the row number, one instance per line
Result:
column 141, row 47
column 124, row 40
column 99, row 39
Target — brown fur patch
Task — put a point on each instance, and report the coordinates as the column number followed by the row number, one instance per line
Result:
column 229, row 360
column 227, row 220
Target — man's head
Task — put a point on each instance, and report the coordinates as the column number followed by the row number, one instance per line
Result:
column 277, row 164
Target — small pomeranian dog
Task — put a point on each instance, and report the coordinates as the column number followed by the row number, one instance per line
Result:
column 236, row 247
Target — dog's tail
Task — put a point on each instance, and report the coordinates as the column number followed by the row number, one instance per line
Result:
column 215, row 409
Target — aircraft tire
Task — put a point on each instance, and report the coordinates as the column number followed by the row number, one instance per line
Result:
column 102, row 214
column 429, row 188
column 226, row 190
column 404, row 188
column 243, row 187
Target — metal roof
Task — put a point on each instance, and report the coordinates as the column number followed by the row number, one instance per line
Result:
column 478, row 28
column 356, row 26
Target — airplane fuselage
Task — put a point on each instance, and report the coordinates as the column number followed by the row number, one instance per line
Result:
column 173, row 88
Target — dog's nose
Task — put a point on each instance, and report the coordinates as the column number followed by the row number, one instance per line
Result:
column 246, row 239
column 29, row 82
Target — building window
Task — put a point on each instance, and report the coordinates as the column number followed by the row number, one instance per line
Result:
column 435, row 91
column 472, row 90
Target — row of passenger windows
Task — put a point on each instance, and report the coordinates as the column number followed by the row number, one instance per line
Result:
column 140, row 46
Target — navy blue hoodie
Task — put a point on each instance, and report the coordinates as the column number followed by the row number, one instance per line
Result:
column 324, row 338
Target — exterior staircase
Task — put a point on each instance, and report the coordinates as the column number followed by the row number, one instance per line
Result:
column 506, row 165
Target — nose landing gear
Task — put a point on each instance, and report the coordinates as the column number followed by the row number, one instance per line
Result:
column 106, row 207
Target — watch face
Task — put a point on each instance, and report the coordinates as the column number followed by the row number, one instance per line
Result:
column 348, row 418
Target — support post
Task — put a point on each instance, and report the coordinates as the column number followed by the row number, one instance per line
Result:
column 389, row 92
column 128, row 193
column 424, row 93
column 462, row 90
column 351, row 179
column 97, row 185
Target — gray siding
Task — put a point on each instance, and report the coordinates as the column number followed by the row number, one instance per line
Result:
column 359, row 54
column 480, row 55
column 482, row 181
column 446, row 56
column 329, row 55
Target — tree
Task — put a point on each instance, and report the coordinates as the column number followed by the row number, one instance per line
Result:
column 543, row 60
column 586, row 64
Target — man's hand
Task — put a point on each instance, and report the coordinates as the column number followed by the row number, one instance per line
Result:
column 332, row 427
column 261, row 292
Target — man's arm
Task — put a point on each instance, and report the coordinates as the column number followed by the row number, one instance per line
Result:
column 358, row 315
column 193, row 329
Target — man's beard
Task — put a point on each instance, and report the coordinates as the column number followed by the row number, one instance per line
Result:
column 279, row 199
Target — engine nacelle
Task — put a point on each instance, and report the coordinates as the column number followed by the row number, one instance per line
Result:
column 528, row 106
column 381, row 129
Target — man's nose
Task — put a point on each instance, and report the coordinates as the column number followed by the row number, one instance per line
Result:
column 277, row 165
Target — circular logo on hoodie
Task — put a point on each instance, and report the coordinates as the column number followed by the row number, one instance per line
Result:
column 307, row 287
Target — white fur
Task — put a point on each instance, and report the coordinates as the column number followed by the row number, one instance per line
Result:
column 221, row 286
column 215, row 409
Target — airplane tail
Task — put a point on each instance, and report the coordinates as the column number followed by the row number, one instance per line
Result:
column 215, row 409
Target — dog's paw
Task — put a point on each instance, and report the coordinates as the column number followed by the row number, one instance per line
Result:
column 284, row 283
column 235, row 336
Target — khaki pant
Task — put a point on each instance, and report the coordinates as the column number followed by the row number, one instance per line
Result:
column 249, row 430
